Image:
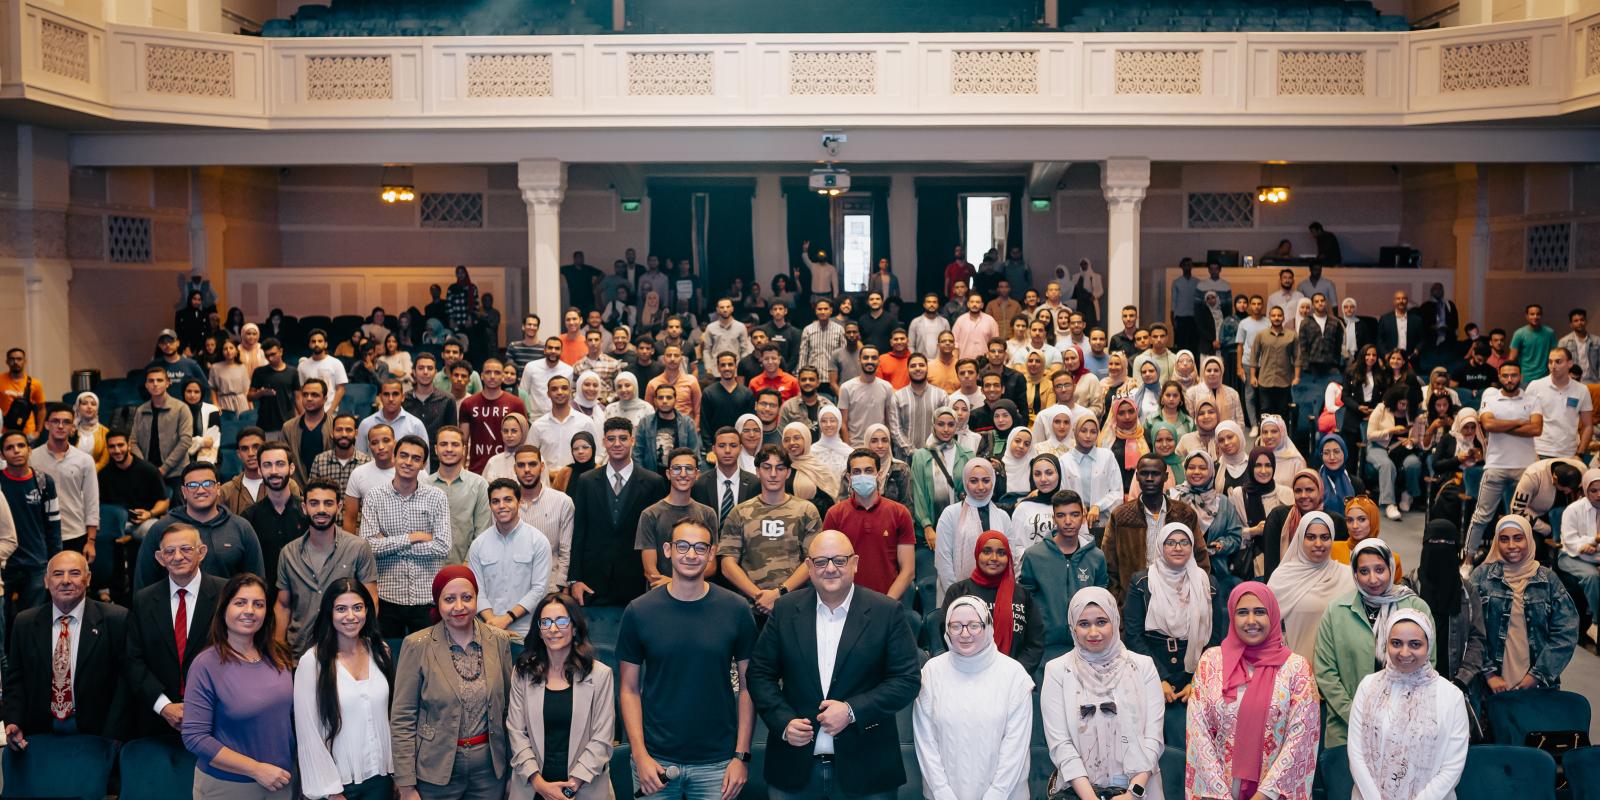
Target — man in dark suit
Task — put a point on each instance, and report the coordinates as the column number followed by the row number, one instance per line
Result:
column 62, row 676
column 1401, row 330
column 605, row 569
column 724, row 485
column 158, row 659
column 834, row 665
column 1440, row 319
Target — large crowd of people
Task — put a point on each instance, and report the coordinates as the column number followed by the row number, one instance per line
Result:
column 807, row 516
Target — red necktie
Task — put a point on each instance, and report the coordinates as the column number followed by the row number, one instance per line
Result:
column 180, row 633
column 61, row 673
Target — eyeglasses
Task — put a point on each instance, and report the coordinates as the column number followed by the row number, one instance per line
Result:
column 958, row 628
column 838, row 561
column 1108, row 708
column 1178, row 544
column 683, row 547
column 559, row 623
column 681, row 469
column 200, row 485
column 186, row 549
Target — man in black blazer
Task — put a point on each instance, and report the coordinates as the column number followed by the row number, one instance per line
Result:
column 710, row 488
column 831, row 715
column 1440, row 318
column 156, row 666
column 1389, row 337
column 605, row 570
column 90, row 697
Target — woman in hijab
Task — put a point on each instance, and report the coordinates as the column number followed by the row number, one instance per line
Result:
column 829, row 449
column 974, row 713
column 1014, row 468
column 514, row 433
column 1172, row 410
column 1164, row 443
column 1124, row 437
column 1052, row 431
column 1408, row 725
column 1255, row 501
column 1210, row 324
column 250, row 353
column 1147, row 394
column 1117, row 382
column 1213, row 388
column 1337, row 484
column 88, row 434
column 960, row 524
column 1221, row 527
column 1018, row 630
column 1454, row 602
column 436, row 332
column 993, row 442
column 964, row 434
column 1462, row 450
column 809, row 478
column 1349, row 632
column 894, row 475
column 1530, row 623
column 1274, row 434
column 1308, row 581
column 1204, row 435
column 1173, row 613
column 1252, row 725
column 583, row 451
column 207, row 441
column 1305, row 489
column 1102, row 707
column 587, row 396
column 1233, row 456
column 751, row 437
column 1033, row 519
column 1361, row 522
column 1185, row 372
column 628, row 405
column 1302, row 311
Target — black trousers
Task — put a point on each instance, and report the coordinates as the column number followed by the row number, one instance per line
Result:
column 1273, row 401
column 396, row 621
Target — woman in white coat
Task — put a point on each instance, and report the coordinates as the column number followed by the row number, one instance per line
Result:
column 1408, row 725
column 961, row 523
column 1102, row 707
column 974, row 715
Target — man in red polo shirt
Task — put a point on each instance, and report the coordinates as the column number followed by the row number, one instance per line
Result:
column 772, row 375
column 878, row 528
column 893, row 365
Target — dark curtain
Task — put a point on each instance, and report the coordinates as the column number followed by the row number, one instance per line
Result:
column 810, row 217
column 939, row 222
column 730, row 245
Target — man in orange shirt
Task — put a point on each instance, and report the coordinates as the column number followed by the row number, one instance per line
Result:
column 892, row 366
column 676, row 376
column 772, row 375
column 573, row 344
column 942, row 369
column 18, row 388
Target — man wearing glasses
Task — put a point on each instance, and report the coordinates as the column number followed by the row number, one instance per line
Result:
column 231, row 544
column 657, row 521
column 158, row 655
column 511, row 560
column 77, row 486
column 764, row 539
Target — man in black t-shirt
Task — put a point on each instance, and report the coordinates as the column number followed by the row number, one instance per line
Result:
column 133, row 485
column 273, row 387
column 1475, row 374
column 580, row 279
column 686, row 713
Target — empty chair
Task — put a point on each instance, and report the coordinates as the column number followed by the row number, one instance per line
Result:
column 1582, row 767
column 358, row 399
column 157, row 768
column 58, row 767
column 1172, row 773
column 1500, row 771
column 1513, row 716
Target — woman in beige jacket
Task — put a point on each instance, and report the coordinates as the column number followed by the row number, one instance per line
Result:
column 561, row 716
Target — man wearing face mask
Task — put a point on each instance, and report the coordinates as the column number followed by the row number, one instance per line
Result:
column 879, row 530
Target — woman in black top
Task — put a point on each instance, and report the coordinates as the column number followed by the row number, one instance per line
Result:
column 1018, row 629
column 560, row 717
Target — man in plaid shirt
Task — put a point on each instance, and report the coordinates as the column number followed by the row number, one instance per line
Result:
column 407, row 525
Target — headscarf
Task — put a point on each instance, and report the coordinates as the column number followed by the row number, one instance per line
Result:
column 1105, row 676
column 580, row 467
column 980, row 660
column 1438, row 579
column 1289, row 456
column 1348, row 347
column 632, row 410
column 251, row 357
column 1005, row 433
column 1134, row 443
column 1386, row 601
column 1174, row 462
column 1186, row 381
column 1235, row 464
column 578, row 400
column 889, row 460
column 747, row 462
column 1291, row 523
column 1019, row 471
column 195, row 409
column 1336, row 486
column 1043, row 429
column 521, row 420
column 1332, row 401
column 1400, row 756
column 1004, row 586
column 444, row 576
column 1367, row 507
column 810, row 469
column 832, row 451
column 85, row 427
column 1256, row 492
column 1180, row 599
column 1518, row 660
column 1305, row 590
column 1458, row 431
column 1204, row 499
column 1214, row 305
column 1255, row 668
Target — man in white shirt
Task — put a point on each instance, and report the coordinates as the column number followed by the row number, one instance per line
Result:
column 824, row 276
column 868, row 400
column 723, row 335
column 536, row 377
column 511, row 560
column 1245, row 341
column 391, row 397
column 553, row 432
column 1580, row 539
column 1286, row 297
column 925, row 329
column 77, row 484
column 1316, row 284
column 546, row 509
column 1567, row 408
column 365, row 477
column 1512, row 420
column 916, row 402
column 324, row 367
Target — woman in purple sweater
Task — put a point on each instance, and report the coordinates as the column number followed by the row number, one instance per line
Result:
column 238, row 707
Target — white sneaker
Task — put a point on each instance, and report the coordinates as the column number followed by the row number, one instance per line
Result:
column 1254, row 431
column 1392, row 513
column 1405, row 501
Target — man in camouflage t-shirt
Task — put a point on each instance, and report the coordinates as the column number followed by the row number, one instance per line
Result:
column 764, row 539
column 657, row 521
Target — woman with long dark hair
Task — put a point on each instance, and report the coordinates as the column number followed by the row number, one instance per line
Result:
column 560, row 718
column 238, row 704
column 341, row 700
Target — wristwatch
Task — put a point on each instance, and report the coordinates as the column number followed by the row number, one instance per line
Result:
column 745, row 756
column 1136, row 790
column 783, row 590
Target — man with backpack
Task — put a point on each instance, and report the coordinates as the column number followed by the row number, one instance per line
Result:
column 21, row 395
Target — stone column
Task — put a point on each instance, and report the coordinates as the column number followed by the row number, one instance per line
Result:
column 207, row 229
column 770, row 222
column 1124, row 181
column 543, row 183
column 39, row 242
column 1472, row 242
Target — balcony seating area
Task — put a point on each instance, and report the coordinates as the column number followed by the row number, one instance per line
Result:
column 444, row 18
column 1228, row 16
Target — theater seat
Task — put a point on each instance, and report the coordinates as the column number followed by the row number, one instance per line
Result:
column 157, row 768
column 358, row 399
column 1334, row 765
column 58, row 767
column 621, row 771
column 908, row 759
column 1496, row 771
column 1039, row 770
column 1172, row 774
column 1582, row 767
column 1515, row 715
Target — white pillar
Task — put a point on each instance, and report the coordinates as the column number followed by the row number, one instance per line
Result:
column 43, row 167
column 543, row 183
column 1124, row 181
column 903, row 235
column 770, row 224
column 48, row 282
column 207, row 228
column 1472, row 242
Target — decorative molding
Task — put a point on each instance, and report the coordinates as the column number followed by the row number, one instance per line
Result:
column 1591, row 50
column 510, row 75
column 657, row 74
column 1158, row 72
column 455, row 210
column 543, row 200
column 1322, row 73
column 127, row 239
column 1220, row 210
column 1003, row 72
column 188, row 71
column 349, row 78
column 1480, row 66
column 63, row 50
column 1549, row 247
column 833, row 72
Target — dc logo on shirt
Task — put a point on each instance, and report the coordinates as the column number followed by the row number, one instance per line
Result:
column 773, row 528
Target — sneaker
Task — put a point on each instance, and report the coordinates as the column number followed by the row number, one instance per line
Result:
column 1405, row 502
column 1392, row 512
column 1254, row 432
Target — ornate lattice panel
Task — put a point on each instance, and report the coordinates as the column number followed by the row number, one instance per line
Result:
column 833, row 72
column 1549, row 247
column 452, row 210
column 128, row 239
column 1322, row 73
column 1504, row 64
column 1591, row 51
column 1221, row 210
column 1158, row 72
column 349, row 78
column 670, row 74
column 510, row 75
column 63, row 50
column 188, row 71
column 994, row 72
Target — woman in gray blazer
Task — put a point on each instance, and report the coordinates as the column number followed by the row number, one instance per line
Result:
column 561, row 711
column 448, row 718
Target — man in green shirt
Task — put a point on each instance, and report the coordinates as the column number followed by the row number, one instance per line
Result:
column 1531, row 344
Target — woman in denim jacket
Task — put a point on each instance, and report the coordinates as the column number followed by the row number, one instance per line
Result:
column 1530, row 624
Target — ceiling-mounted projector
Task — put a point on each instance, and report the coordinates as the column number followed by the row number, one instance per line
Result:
column 830, row 180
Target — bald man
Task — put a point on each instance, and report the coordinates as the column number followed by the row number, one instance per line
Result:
column 834, row 664
column 63, row 675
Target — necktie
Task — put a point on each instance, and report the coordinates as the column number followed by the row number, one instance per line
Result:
column 727, row 498
column 180, row 632
column 616, row 483
column 61, row 673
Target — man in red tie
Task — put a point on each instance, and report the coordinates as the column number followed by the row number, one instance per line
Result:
column 167, row 629
column 62, row 676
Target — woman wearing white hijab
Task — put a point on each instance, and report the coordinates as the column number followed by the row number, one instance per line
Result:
column 960, row 524
column 1347, row 315
column 1174, row 611
column 1307, row 581
column 89, row 435
column 1102, row 706
column 1015, row 464
column 250, row 353
column 514, row 433
column 750, row 440
column 586, row 394
column 1274, row 435
column 965, row 435
column 831, row 450
column 809, row 478
column 973, row 718
column 1221, row 526
column 1408, row 725
column 1052, row 430
column 628, row 405
column 1233, row 455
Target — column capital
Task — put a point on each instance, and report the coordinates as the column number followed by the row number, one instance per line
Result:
column 543, row 182
column 1125, row 180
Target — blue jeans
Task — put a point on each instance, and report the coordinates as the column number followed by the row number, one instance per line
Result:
column 694, row 782
column 1588, row 575
column 1496, row 486
column 1412, row 468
